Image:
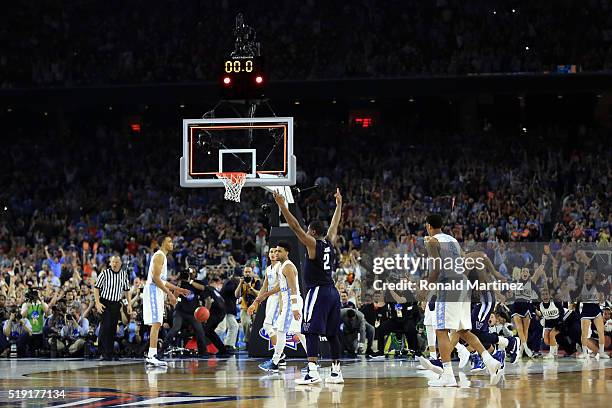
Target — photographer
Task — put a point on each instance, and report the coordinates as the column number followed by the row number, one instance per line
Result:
column 75, row 331
column 112, row 285
column 18, row 330
column 186, row 307
column 247, row 290
column 402, row 319
column 53, row 328
column 35, row 311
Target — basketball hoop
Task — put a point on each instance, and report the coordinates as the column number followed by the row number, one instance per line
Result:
column 233, row 183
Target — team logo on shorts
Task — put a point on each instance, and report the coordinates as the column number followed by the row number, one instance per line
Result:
column 291, row 342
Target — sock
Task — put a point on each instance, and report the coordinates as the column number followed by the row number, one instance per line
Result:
column 502, row 343
column 448, row 368
column 303, row 341
column 461, row 348
column 431, row 336
column 281, row 340
column 312, row 367
column 487, row 358
column 553, row 349
column 152, row 352
column 601, row 348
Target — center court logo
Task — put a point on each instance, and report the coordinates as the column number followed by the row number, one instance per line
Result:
column 108, row 397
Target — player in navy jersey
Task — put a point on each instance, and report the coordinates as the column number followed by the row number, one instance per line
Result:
column 321, row 314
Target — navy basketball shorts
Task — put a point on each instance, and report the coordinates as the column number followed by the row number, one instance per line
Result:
column 589, row 311
column 521, row 309
column 322, row 311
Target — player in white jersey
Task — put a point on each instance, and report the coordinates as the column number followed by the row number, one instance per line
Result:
column 453, row 307
column 269, row 283
column 154, row 293
column 290, row 306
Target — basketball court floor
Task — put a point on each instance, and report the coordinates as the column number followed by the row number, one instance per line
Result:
column 238, row 382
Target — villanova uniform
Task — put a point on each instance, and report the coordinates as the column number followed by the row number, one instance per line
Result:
column 153, row 297
column 272, row 302
column 322, row 304
column 285, row 322
column 452, row 306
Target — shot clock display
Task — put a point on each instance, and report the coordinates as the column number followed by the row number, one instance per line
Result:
column 237, row 66
column 243, row 77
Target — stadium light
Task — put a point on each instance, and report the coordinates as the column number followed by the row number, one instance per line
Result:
column 227, row 80
column 258, row 79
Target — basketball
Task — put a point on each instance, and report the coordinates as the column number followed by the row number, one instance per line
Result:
column 201, row 314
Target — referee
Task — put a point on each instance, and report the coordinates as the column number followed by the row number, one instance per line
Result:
column 112, row 284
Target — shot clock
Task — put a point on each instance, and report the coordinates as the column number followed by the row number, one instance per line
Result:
column 243, row 77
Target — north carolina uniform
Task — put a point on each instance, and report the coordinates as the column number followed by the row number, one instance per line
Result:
column 285, row 322
column 322, row 304
column 272, row 302
column 153, row 297
column 452, row 306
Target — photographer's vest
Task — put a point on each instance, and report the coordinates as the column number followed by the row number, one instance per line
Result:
column 36, row 316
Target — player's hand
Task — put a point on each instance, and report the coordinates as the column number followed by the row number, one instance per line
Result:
column 338, row 197
column 297, row 315
column 172, row 299
column 280, row 200
column 100, row 307
column 182, row 291
column 251, row 309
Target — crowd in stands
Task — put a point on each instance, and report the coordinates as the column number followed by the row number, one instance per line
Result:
column 87, row 43
column 66, row 211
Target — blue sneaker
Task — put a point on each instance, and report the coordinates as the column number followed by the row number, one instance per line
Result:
column 500, row 356
column 268, row 366
column 477, row 363
column 434, row 365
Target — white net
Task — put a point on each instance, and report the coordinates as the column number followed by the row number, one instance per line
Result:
column 233, row 183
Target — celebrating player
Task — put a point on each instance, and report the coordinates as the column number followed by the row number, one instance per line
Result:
column 154, row 293
column 322, row 304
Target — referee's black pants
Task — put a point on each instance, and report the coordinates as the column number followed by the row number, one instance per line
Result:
column 108, row 327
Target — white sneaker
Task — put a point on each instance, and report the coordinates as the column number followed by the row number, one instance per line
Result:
column 582, row 356
column 604, row 356
column 155, row 362
column 445, row 380
column 528, row 351
column 495, row 370
column 464, row 357
column 311, row 377
column 549, row 356
column 336, row 375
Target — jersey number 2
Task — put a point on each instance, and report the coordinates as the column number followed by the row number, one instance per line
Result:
column 326, row 262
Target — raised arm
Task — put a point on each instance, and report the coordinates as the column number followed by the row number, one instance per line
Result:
column 309, row 241
column 332, row 232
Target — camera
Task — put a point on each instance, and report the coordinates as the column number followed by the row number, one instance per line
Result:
column 248, row 279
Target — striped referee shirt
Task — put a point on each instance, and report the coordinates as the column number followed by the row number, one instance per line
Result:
column 112, row 284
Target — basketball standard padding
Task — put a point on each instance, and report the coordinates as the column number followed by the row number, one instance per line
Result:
column 201, row 314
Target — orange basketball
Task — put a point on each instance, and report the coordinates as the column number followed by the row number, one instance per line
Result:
column 201, row 314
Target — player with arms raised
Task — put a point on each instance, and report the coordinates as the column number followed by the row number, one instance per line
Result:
column 154, row 293
column 322, row 305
